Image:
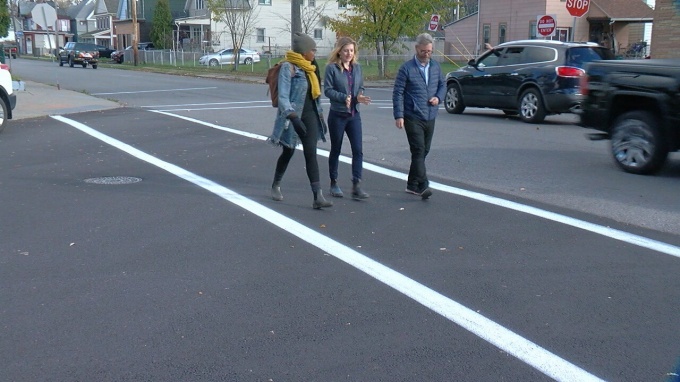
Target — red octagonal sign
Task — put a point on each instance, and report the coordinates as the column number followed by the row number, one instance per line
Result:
column 578, row 8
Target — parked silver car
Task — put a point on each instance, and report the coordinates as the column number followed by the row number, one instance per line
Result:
column 226, row 56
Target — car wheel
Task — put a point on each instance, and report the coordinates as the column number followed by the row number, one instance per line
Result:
column 453, row 101
column 248, row 61
column 70, row 61
column 94, row 66
column 531, row 108
column 3, row 117
column 212, row 62
column 84, row 65
column 637, row 143
column 61, row 62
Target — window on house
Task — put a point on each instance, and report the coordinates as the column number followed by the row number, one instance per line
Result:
column 486, row 33
column 63, row 25
column 260, row 32
column 532, row 30
column 561, row 34
column 318, row 33
column 342, row 4
column 103, row 23
column 312, row 3
column 199, row 4
column 502, row 28
column 264, row 2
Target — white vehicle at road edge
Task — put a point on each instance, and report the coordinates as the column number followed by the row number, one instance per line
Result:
column 9, row 99
column 226, row 56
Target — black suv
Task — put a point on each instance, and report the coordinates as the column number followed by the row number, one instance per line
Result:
column 80, row 53
column 532, row 78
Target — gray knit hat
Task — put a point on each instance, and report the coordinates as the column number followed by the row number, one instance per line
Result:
column 302, row 43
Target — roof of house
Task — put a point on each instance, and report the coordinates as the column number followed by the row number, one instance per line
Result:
column 621, row 10
column 105, row 7
column 81, row 10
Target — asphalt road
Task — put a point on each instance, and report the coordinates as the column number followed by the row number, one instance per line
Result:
column 517, row 269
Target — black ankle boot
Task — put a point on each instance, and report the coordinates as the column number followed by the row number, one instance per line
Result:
column 357, row 192
column 276, row 191
column 320, row 201
column 335, row 189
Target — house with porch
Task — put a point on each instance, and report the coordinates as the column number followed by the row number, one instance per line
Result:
column 37, row 39
column 124, row 27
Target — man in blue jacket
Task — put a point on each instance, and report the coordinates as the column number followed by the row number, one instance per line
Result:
column 418, row 90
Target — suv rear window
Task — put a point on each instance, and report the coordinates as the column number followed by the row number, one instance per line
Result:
column 580, row 56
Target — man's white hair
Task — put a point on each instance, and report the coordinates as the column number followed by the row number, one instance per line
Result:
column 424, row 39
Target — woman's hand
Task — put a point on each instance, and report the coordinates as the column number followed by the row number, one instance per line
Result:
column 361, row 98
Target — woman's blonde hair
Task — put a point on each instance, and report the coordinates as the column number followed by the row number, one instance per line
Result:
column 334, row 57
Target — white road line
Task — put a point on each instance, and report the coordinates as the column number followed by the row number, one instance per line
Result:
column 154, row 91
column 623, row 236
column 208, row 104
column 510, row 342
column 216, row 108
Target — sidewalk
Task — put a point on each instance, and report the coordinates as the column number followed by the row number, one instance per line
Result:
column 39, row 100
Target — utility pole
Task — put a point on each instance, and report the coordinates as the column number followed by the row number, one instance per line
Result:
column 295, row 19
column 135, row 33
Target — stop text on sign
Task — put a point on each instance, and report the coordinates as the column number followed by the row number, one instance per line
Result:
column 578, row 8
column 578, row 4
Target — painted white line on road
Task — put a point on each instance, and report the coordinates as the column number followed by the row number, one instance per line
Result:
column 154, row 91
column 208, row 104
column 215, row 108
column 508, row 341
column 623, row 236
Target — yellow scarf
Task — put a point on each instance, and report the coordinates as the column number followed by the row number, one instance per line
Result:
column 302, row 63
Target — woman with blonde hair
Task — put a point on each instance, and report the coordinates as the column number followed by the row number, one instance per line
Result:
column 344, row 87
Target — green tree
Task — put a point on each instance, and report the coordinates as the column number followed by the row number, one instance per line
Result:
column 385, row 23
column 161, row 25
column 4, row 18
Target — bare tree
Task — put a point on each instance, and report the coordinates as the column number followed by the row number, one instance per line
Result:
column 311, row 17
column 239, row 17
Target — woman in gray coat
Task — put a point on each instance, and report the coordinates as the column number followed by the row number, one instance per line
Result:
column 344, row 87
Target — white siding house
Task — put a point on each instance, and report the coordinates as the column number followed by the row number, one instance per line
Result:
column 271, row 32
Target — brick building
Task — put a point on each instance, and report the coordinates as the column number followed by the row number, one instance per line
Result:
column 666, row 29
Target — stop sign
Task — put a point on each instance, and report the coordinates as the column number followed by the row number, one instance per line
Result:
column 546, row 25
column 578, row 8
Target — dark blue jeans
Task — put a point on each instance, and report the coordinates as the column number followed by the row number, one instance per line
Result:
column 419, row 135
column 339, row 124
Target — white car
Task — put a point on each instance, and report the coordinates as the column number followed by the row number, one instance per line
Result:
column 8, row 99
column 226, row 56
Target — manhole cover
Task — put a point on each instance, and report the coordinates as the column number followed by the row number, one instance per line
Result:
column 113, row 180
